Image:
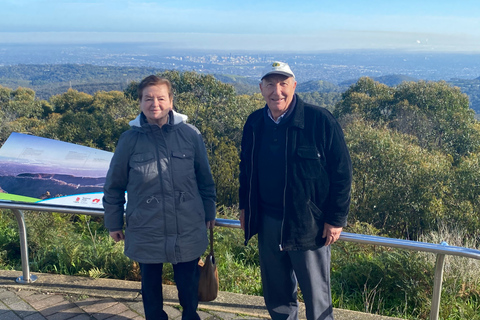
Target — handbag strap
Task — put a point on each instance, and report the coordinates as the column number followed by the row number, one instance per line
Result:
column 211, row 241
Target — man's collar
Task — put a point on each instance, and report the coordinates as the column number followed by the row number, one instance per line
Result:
column 285, row 114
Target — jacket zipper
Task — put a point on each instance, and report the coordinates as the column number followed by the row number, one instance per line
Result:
column 280, row 245
column 250, row 189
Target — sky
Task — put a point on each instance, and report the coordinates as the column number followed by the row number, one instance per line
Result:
column 262, row 25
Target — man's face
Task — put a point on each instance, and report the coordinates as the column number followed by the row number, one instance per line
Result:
column 278, row 91
column 156, row 104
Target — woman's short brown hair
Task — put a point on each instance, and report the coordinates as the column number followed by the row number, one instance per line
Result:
column 154, row 80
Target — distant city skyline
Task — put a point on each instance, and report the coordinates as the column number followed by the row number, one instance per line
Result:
column 275, row 26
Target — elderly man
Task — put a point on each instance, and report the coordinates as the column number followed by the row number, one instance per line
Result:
column 295, row 181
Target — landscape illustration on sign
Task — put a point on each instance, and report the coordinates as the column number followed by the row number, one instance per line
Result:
column 40, row 170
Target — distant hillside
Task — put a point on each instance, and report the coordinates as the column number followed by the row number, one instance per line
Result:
column 389, row 80
column 243, row 85
column 49, row 80
column 318, row 86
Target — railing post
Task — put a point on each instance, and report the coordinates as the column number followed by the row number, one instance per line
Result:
column 22, row 231
column 437, row 285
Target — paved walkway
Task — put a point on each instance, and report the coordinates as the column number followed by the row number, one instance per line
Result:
column 57, row 297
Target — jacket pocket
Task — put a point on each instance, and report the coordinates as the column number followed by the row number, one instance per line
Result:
column 143, row 167
column 309, row 164
column 141, row 158
column 316, row 212
column 182, row 161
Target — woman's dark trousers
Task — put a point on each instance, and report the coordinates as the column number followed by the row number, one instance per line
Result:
column 186, row 277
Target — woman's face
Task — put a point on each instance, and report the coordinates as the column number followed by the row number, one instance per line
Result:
column 156, row 104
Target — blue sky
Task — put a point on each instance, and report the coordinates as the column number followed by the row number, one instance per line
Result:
column 304, row 26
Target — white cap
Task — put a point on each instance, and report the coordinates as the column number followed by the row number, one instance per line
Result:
column 277, row 67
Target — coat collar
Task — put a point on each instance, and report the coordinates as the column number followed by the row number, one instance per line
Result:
column 298, row 116
column 174, row 118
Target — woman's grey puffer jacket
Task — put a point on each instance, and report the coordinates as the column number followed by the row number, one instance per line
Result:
column 170, row 191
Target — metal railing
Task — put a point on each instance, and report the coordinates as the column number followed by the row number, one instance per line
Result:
column 441, row 250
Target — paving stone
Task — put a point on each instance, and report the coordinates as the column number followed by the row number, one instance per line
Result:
column 10, row 315
column 108, row 312
column 205, row 315
column 37, row 296
column 92, row 305
column 22, row 308
column 82, row 317
column 35, row 316
column 172, row 312
column 3, row 308
column 24, row 293
column 48, row 302
column 128, row 314
column 9, row 297
column 225, row 315
column 137, row 307
column 60, row 306
column 66, row 314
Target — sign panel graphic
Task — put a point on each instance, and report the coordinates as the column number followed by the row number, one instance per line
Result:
column 40, row 170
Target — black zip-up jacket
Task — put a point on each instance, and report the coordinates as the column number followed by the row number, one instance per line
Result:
column 318, row 176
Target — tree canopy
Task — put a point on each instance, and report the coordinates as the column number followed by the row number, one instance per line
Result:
column 414, row 147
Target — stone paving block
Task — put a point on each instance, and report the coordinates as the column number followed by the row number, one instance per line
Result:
column 60, row 306
column 82, row 317
column 3, row 308
column 128, row 314
column 92, row 305
column 24, row 293
column 108, row 312
column 9, row 298
column 224, row 315
column 173, row 313
column 66, row 314
column 48, row 302
column 137, row 307
column 205, row 315
column 10, row 315
column 22, row 308
column 35, row 316
column 37, row 296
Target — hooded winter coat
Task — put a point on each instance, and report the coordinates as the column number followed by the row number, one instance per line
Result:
column 170, row 191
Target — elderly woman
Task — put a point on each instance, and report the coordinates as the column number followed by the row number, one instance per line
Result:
column 162, row 164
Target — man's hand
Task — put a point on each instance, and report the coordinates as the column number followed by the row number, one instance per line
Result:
column 117, row 235
column 210, row 224
column 242, row 218
column 331, row 233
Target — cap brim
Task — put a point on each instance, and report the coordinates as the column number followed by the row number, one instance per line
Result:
column 278, row 72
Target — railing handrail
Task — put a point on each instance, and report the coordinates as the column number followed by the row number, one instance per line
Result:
column 439, row 249
column 442, row 248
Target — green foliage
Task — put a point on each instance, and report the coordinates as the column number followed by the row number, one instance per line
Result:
column 398, row 187
column 215, row 109
column 472, row 89
column 326, row 100
column 434, row 112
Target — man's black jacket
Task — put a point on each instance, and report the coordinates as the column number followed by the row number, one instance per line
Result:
column 318, row 176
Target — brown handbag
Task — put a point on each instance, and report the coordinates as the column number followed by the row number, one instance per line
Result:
column 208, row 283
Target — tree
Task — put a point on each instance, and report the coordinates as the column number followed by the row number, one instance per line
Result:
column 437, row 114
column 398, row 187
